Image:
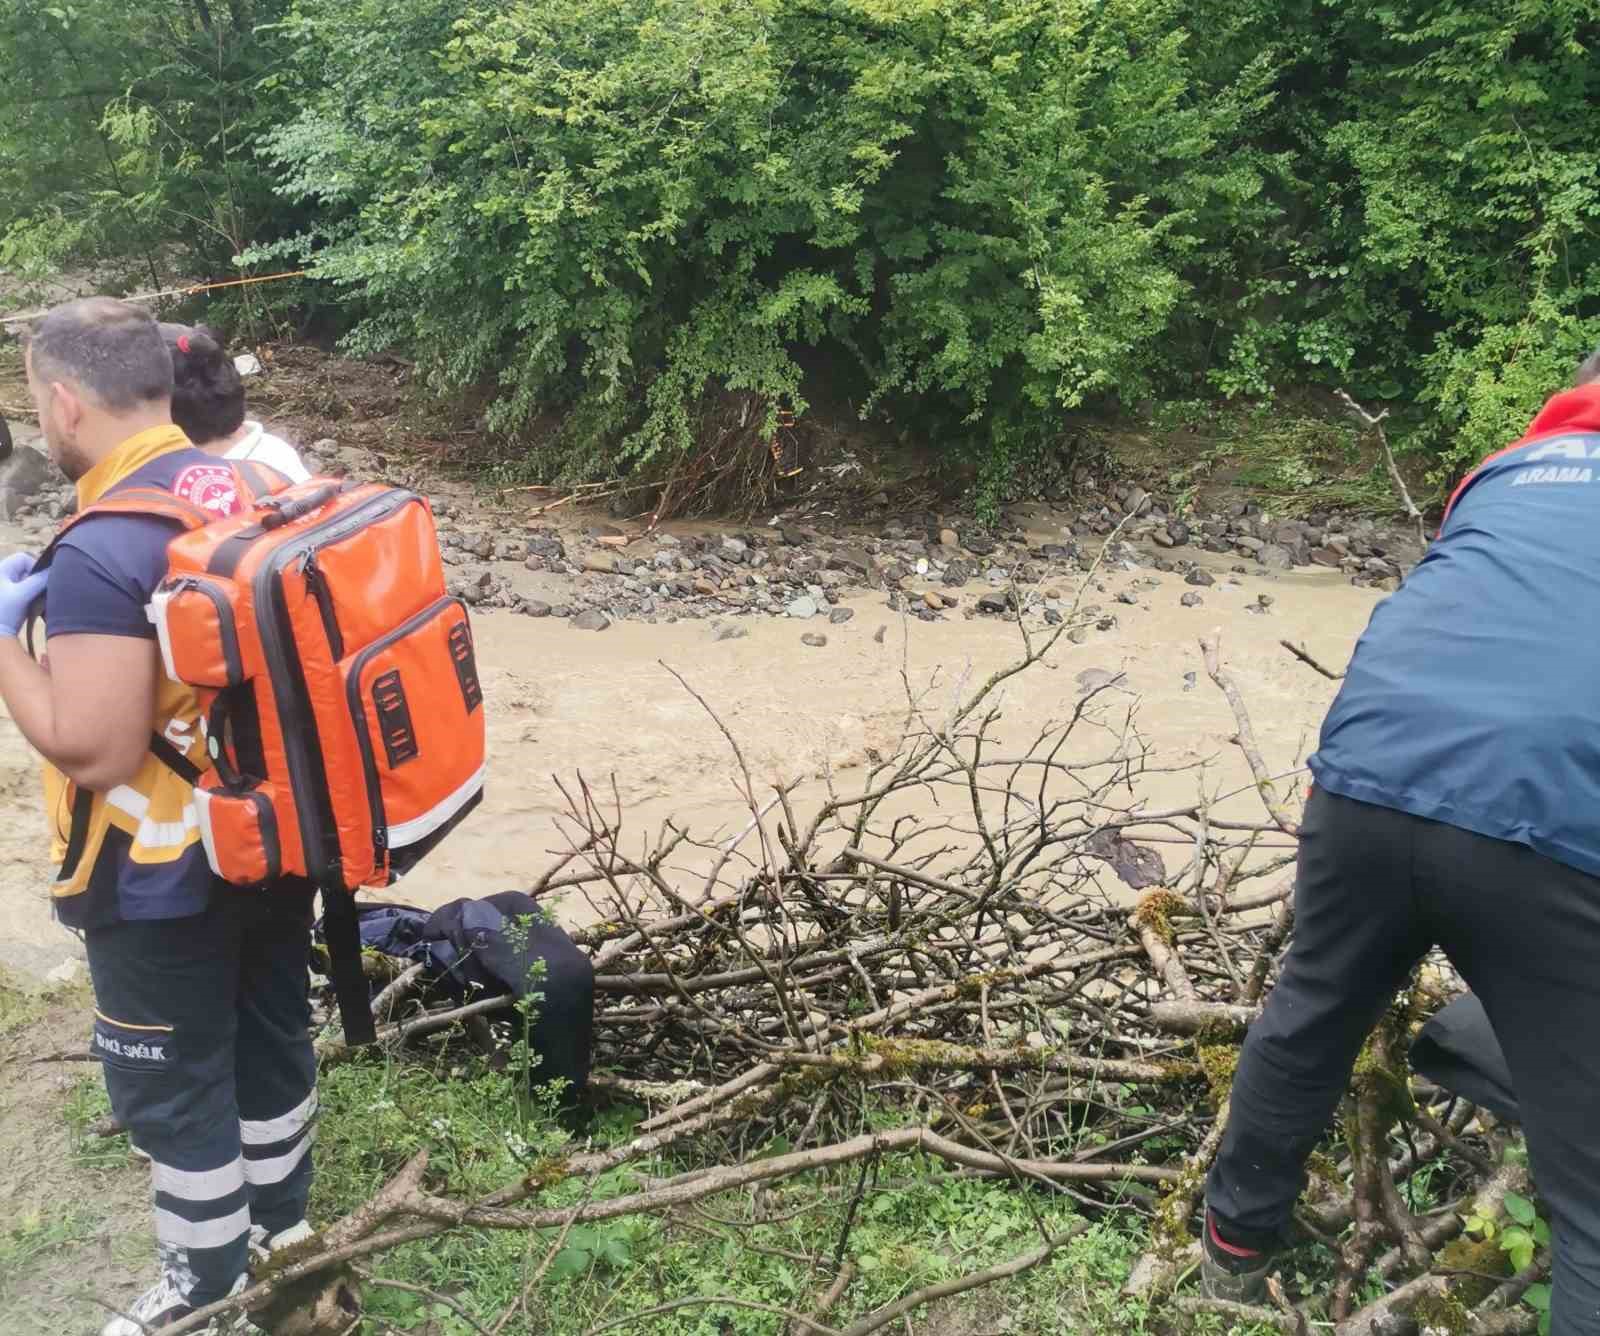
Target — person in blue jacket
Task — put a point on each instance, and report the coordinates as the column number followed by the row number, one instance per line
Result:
column 1456, row 804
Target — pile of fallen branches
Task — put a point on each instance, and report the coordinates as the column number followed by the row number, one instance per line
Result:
column 993, row 935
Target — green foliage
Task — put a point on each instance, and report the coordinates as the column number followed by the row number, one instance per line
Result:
column 1522, row 1238
column 968, row 220
column 125, row 138
column 978, row 213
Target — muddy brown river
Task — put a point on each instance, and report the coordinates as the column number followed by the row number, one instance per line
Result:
column 564, row 702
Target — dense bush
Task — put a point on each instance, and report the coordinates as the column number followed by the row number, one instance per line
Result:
column 126, row 136
column 968, row 217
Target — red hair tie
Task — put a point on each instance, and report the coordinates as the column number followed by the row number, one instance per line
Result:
column 183, row 343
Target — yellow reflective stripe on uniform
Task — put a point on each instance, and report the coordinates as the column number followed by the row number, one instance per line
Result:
column 155, row 808
column 177, row 834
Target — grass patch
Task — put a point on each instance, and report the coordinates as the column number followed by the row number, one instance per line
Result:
column 19, row 1006
column 917, row 1222
column 36, row 1234
column 87, row 1104
column 1292, row 460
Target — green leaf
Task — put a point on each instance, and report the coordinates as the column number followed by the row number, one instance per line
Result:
column 570, row 1262
column 1520, row 1209
column 1538, row 1298
column 1517, row 1243
column 1541, row 1233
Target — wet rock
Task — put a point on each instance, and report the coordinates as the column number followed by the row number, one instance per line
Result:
column 980, row 545
column 1276, row 558
column 1093, row 679
column 957, row 573
column 802, row 607
column 1326, row 556
column 839, row 616
column 592, row 620
column 815, row 639
column 1178, row 532
column 1163, row 538
column 1200, row 577
column 600, row 563
column 1251, row 547
column 22, row 477
column 852, row 559
column 1191, row 600
column 534, row 607
column 1052, row 617
column 68, row 974
column 1129, row 598
column 546, row 549
column 1288, row 534
column 993, row 604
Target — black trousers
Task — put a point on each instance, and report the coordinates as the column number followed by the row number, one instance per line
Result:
column 1377, row 889
column 203, row 1027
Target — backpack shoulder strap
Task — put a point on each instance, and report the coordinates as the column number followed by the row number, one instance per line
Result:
column 257, row 480
column 132, row 501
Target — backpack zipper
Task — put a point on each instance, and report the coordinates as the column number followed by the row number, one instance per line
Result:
column 318, row 586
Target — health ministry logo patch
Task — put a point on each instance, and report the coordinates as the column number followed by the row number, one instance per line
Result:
column 212, row 487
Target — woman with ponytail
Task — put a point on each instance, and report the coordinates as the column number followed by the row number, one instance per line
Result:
column 208, row 403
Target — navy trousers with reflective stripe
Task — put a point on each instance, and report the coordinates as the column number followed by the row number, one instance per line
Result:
column 203, row 1027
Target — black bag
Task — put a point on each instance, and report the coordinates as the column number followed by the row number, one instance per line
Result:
column 472, row 949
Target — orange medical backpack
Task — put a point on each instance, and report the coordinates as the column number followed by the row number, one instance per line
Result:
column 339, row 690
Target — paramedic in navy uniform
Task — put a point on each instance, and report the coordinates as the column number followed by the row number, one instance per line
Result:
column 1456, row 804
column 201, row 1008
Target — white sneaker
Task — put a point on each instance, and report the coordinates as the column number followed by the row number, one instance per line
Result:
column 161, row 1305
column 263, row 1245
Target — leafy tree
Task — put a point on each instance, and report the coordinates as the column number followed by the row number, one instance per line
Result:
column 126, row 131
column 972, row 218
